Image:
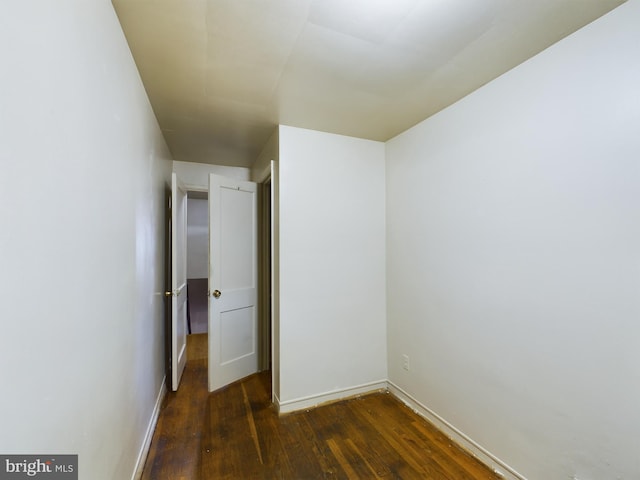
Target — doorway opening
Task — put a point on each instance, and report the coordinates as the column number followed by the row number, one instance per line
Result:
column 265, row 275
column 197, row 263
column 197, row 275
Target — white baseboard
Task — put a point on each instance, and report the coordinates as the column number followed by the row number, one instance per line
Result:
column 335, row 395
column 486, row 457
column 146, row 444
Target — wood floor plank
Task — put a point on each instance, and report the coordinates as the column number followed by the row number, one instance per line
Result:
column 392, row 429
column 447, row 453
column 349, row 467
column 179, row 427
column 381, row 455
column 235, row 433
column 252, row 423
column 197, row 346
column 300, row 448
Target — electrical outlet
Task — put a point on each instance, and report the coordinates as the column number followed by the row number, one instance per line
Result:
column 405, row 362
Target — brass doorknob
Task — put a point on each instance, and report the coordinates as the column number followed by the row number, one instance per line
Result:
column 216, row 293
column 167, row 294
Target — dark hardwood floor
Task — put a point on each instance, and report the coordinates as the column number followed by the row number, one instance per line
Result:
column 236, row 433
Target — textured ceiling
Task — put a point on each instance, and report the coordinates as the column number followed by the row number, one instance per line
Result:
column 221, row 74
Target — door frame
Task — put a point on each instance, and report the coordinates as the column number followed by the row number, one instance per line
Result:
column 264, row 274
column 269, row 174
column 168, row 262
column 269, row 226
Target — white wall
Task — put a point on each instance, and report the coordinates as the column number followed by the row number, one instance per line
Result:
column 84, row 169
column 197, row 238
column 332, row 270
column 195, row 176
column 514, row 261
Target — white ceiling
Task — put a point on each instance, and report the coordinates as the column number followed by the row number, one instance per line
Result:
column 221, row 74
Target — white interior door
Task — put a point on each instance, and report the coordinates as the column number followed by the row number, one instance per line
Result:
column 178, row 280
column 233, row 327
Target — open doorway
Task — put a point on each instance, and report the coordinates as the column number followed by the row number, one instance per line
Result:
column 197, row 275
column 268, row 291
column 196, row 248
column 197, row 262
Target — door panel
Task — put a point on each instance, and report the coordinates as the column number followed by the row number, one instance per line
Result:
column 236, row 327
column 236, row 238
column 233, row 329
column 178, row 280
